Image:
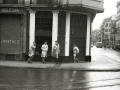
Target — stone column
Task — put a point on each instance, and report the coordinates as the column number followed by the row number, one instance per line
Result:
column 54, row 27
column 67, row 34
column 88, row 57
column 32, row 28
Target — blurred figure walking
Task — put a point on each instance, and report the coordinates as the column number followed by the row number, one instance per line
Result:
column 56, row 51
column 31, row 52
column 75, row 53
column 44, row 51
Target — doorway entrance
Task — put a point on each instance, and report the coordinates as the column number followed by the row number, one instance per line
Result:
column 40, row 40
column 43, row 30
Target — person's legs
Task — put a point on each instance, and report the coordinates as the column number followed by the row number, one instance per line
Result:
column 77, row 58
column 74, row 59
column 30, row 59
column 43, row 59
column 57, row 57
column 57, row 60
column 43, row 55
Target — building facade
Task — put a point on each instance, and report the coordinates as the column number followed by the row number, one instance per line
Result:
column 107, row 29
column 117, row 31
column 67, row 21
column 95, row 36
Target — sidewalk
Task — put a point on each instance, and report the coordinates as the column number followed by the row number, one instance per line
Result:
column 98, row 63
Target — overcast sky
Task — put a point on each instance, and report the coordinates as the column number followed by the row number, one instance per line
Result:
column 109, row 9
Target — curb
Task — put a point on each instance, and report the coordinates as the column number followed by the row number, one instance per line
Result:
column 61, row 68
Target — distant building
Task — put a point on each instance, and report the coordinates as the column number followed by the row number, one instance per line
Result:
column 95, row 36
column 117, row 31
column 107, row 31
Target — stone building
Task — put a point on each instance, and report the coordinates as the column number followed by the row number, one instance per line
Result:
column 65, row 21
column 117, row 31
column 107, row 31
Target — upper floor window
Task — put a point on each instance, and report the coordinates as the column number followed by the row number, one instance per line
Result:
column 106, row 36
column 106, row 25
column 106, row 30
column 109, row 30
column 109, row 24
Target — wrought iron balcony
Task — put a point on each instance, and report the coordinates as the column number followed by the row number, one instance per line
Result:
column 11, row 1
column 45, row 2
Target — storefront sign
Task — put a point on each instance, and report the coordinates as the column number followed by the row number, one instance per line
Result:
column 10, row 41
column 11, row 10
column 16, row 10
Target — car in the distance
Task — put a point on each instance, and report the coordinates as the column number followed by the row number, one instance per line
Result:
column 99, row 44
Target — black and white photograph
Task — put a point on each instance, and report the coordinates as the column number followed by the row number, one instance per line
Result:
column 59, row 44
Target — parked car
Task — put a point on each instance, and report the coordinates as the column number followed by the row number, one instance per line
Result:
column 99, row 44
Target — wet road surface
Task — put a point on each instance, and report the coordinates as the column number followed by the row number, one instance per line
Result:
column 46, row 79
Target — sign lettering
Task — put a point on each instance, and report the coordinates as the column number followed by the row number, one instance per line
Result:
column 12, row 10
column 10, row 41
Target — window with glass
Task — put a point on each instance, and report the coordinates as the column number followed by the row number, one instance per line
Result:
column 106, row 30
column 43, row 21
column 109, row 24
column 106, row 25
column 106, row 36
column 109, row 30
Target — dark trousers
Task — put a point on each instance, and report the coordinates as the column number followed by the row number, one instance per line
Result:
column 31, row 58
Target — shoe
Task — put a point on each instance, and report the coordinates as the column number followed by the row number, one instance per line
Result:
column 29, row 61
column 77, row 60
column 44, row 62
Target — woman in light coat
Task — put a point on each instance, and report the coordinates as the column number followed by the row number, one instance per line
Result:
column 56, row 51
column 44, row 49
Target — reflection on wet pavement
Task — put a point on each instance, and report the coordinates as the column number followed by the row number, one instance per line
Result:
column 47, row 79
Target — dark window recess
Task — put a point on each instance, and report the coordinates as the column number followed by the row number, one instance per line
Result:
column 43, row 24
column 48, row 2
column 44, row 1
column 12, row 1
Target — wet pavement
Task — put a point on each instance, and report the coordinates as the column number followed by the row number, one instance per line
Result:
column 49, row 79
column 102, row 60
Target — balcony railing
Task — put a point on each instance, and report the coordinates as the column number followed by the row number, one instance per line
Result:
column 11, row 1
column 47, row 2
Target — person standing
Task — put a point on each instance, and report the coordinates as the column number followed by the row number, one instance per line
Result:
column 56, row 51
column 105, row 46
column 44, row 49
column 31, row 52
column 75, row 53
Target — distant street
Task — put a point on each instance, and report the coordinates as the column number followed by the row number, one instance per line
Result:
column 114, row 55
